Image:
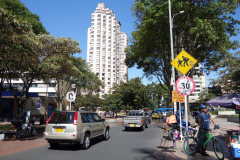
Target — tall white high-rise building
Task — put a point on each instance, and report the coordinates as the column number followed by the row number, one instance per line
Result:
column 105, row 48
column 200, row 85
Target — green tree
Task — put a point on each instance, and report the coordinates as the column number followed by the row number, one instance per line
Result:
column 204, row 96
column 228, row 73
column 12, row 34
column 204, row 31
column 15, row 7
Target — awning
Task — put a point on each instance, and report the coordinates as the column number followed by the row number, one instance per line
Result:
column 8, row 94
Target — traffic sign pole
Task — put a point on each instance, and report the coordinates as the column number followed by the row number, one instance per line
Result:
column 180, row 120
column 186, row 124
column 185, row 86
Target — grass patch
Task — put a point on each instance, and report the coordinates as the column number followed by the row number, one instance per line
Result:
column 235, row 115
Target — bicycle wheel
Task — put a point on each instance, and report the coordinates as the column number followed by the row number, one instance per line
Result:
column 218, row 149
column 170, row 134
column 192, row 145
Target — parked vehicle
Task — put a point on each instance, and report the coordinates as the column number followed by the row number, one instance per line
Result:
column 24, row 125
column 135, row 118
column 75, row 128
column 156, row 114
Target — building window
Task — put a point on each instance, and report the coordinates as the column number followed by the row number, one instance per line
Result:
column 33, row 85
column 51, row 94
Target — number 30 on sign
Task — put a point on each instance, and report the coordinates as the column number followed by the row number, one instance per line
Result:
column 185, row 85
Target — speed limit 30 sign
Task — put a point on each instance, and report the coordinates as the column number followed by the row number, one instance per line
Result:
column 185, row 85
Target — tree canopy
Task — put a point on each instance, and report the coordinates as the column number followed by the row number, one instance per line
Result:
column 228, row 74
column 204, row 31
column 20, row 11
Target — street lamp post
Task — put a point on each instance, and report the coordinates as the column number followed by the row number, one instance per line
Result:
column 172, row 54
column 46, row 106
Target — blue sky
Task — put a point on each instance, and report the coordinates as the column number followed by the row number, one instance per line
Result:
column 72, row 18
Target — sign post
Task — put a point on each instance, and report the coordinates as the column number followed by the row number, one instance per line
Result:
column 185, row 86
column 70, row 98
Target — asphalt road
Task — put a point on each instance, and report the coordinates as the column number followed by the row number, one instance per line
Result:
column 122, row 145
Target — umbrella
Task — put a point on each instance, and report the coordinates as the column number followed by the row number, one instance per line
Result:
column 228, row 100
column 231, row 100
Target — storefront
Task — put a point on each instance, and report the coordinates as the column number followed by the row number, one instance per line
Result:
column 8, row 106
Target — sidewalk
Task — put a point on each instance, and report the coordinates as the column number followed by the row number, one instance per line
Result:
column 168, row 153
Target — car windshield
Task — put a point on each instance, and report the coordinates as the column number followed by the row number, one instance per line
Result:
column 135, row 113
column 62, row 117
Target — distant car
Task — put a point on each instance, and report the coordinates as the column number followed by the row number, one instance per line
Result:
column 156, row 114
column 135, row 118
column 75, row 128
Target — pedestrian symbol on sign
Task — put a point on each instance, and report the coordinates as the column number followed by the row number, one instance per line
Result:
column 184, row 60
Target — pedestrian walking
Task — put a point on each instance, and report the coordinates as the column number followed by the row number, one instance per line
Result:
column 204, row 126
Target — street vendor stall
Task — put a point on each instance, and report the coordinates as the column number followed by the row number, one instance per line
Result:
column 231, row 100
column 233, row 142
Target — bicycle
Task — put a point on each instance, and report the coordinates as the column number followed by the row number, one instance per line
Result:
column 172, row 128
column 217, row 147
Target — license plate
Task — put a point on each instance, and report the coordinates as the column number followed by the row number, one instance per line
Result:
column 59, row 130
column 132, row 125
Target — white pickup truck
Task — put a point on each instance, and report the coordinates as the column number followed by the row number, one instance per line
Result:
column 135, row 118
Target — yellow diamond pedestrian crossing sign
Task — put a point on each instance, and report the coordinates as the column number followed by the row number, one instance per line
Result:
column 184, row 62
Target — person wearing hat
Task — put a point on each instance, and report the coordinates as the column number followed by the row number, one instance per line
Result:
column 204, row 126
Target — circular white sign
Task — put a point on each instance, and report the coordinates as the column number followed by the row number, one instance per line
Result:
column 70, row 96
column 185, row 85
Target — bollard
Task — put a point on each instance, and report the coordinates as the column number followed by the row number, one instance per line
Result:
column 174, row 141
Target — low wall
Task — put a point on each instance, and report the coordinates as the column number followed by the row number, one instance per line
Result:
column 233, row 119
column 226, row 112
column 220, row 116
